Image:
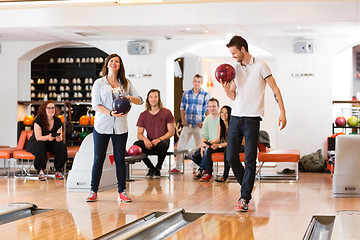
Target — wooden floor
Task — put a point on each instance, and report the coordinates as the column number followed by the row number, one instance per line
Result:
column 278, row 210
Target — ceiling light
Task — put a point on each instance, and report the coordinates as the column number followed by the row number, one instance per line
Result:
column 137, row 1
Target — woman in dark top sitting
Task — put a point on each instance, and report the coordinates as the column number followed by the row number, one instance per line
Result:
column 47, row 137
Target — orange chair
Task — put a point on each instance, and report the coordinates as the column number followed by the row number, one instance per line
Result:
column 219, row 157
column 7, row 153
column 21, row 154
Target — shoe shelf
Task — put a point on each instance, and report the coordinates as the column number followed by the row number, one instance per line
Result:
column 66, row 74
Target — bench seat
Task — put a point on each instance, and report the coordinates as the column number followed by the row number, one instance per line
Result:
column 25, row 155
column 133, row 159
column 280, row 156
column 269, row 155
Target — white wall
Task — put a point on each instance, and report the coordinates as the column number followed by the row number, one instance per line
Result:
column 307, row 100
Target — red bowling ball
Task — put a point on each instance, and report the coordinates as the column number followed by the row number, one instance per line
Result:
column 225, row 73
column 134, row 150
column 340, row 121
column 121, row 105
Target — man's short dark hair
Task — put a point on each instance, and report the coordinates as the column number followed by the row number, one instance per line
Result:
column 238, row 42
column 198, row 76
column 214, row 100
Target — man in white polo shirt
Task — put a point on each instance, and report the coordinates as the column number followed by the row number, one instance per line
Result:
column 247, row 91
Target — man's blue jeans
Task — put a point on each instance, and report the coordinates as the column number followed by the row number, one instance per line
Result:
column 240, row 127
column 101, row 142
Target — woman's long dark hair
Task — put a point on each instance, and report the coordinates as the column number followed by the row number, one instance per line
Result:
column 223, row 133
column 121, row 72
column 41, row 114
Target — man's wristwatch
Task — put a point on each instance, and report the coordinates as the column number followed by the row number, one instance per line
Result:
column 220, row 146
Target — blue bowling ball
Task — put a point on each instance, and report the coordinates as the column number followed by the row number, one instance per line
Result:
column 74, row 135
column 121, row 105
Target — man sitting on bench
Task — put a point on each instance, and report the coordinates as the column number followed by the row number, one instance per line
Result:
column 159, row 125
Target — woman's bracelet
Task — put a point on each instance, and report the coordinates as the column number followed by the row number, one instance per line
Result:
column 110, row 114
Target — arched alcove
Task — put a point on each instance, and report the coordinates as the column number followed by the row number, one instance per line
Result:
column 211, row 54
column 346, row 84
column 40, row 53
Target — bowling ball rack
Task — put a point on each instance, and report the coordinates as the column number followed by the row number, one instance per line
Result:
column 156, row 225
column 342, row 226
column 15, row 211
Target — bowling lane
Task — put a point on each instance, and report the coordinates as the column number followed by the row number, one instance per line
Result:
column 279, row 209
column 67, row 224
column 244, row 226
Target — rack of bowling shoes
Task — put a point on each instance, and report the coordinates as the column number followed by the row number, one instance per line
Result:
column 66, row 74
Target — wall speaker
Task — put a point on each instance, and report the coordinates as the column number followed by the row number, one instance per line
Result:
column 303, row 46
column 138, row 47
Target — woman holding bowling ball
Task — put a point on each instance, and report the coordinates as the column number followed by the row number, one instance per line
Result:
column 111, row 124
column 47, row 137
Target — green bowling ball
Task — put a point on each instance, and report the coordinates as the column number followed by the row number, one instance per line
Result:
column 352, row 121
column 83, row 134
